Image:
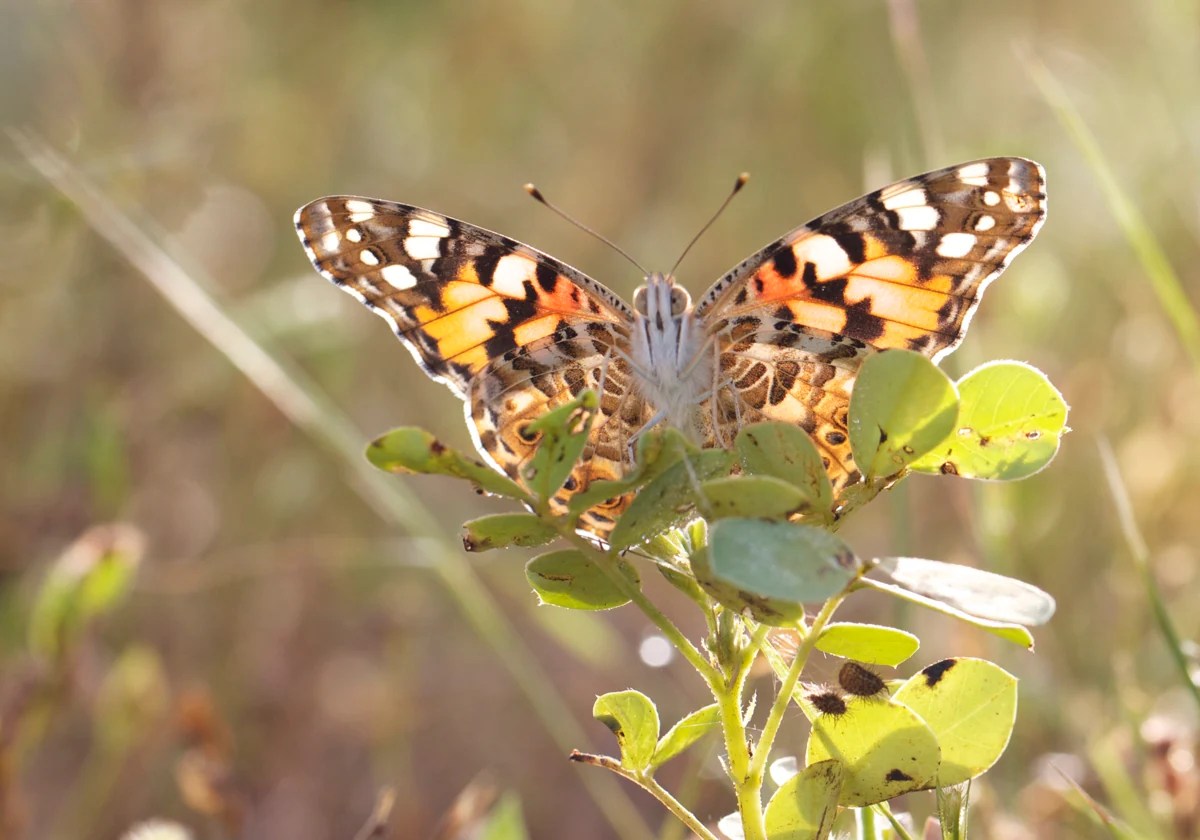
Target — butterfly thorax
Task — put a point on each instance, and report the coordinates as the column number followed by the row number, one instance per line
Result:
column 671, row 367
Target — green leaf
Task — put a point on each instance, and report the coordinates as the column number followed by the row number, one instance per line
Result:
column 657, row 450
column 971, row 706
column 570, row 579
column 1010, row 425
column 806, row 805
column 759, row 496
column 413, row 450
column 885, row 747
column 974, row 591
column 1015, row 633
column 785, row 451
column 88, row 580
column 871, row 643
column 670, row 498
column 902, row 406
column 687, row 731
column 500, row 530
column 773, row 568
column 633, row 718
column 562, row 435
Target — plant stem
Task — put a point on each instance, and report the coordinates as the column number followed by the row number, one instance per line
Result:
column 788, row 686
column 756, row 642
column 864, row 820
column 676, row 807
column 651, row 786
column 607, row 562
column 746, row 785
column 897, row 826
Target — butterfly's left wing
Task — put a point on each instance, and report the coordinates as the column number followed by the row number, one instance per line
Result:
column 901, row 267
column 512, row 331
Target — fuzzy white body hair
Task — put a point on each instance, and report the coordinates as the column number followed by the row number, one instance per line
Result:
column 672, row 365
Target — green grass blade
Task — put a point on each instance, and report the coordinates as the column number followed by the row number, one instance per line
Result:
column 1141, row 560
column 1163, row 278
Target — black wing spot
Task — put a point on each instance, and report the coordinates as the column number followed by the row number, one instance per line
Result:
column 547, row 277
column 853, row 243
column 485, row 265
column 785, row 262
column 809, row 278
column 861, row 323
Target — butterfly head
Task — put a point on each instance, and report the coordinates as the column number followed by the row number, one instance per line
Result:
column 660, row 298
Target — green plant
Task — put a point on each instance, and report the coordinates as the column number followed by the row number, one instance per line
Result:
column 748, row 535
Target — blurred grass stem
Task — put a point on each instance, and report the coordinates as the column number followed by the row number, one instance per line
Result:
column 302, row 402
column 1141, row 561
column 1163, row 278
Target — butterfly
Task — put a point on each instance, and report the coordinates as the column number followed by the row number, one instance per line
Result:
column 780, row 337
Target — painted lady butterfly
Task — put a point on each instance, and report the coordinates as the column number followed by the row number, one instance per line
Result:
column 514, row 332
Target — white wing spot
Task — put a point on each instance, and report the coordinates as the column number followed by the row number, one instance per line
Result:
column 331, row 241
column 915, row 197
column 368, row 257
column 511, row 273
column 825, row 254
column 974, row 174
column 398, row 276
column 360, row 211
column 426, row 227
column 354, row 235
column 954, row 245
column 423, row 247
column 918, row 218
column 985, row 223
column 991, row 198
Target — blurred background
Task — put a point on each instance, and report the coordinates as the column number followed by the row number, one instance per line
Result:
column 292, row 640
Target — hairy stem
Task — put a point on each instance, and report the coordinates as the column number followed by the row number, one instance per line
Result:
column 788, row 686
column 607, row 562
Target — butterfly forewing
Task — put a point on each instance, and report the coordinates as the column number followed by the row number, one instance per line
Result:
column 457, row 295
column 902, row 266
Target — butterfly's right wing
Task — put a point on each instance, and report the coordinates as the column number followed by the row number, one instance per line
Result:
column 510, row 330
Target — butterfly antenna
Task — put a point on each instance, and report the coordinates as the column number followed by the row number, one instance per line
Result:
column 737, row 187
column 537, row 195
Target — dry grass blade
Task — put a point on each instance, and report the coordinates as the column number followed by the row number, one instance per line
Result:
column 301, row 401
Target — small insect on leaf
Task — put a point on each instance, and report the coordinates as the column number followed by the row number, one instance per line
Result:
column 860, row 681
